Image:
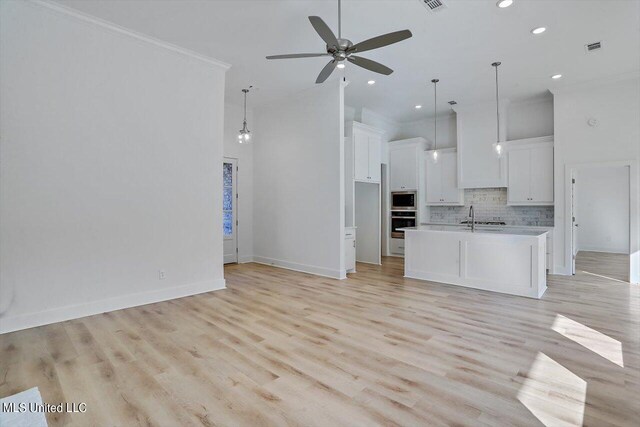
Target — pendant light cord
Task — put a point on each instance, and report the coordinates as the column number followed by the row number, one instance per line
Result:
column 435, row 113
column 339, row 19
column 245, row 105
column 496, row 64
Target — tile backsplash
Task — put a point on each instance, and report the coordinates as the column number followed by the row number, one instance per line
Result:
column 490, row 204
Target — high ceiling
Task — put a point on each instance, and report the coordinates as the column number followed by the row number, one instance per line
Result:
column 456, row 45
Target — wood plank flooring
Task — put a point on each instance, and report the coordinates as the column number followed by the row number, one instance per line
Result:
column 608, row 265
column 284, row 348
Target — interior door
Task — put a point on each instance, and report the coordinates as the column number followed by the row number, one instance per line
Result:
column 361, row 156
column 519, row 175
column 230, row 209
column 449, row 167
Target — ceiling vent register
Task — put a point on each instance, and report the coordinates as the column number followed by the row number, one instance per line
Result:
column 433, row 5
column 593, row 47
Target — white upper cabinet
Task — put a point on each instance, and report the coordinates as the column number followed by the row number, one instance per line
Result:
column 530, row 167
column 403, row 174
column 367, row 143
column 405, row 158
column 441, row 179
column 478, row 164
column 375, row 161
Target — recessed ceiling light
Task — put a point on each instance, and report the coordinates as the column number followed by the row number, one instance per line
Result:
column 538, row 30
column 418, row 107
column 504, row 3
column 371, row 82
column 340, row 65
column 556, row 76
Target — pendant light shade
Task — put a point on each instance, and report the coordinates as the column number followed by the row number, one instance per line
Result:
column 244, row 135
column 434, row 153
column 497, row 146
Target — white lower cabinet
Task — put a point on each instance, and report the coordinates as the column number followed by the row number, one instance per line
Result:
column 396, row 246
column 441, row 179
column 350, row 249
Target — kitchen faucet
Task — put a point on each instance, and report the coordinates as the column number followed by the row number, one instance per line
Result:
column 472, row 214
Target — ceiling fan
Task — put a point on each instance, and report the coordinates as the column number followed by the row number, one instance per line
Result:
column 342, row 49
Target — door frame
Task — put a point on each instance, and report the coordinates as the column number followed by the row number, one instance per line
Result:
column 634, row 213
column 234, row 174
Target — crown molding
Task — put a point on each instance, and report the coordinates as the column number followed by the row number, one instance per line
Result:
column 56, row 7
column 595, row 83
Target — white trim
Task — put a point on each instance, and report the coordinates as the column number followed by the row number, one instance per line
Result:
column 303, row 268
column 127, row 32
column 354, row 124
column 528, row 142
column 245, row 259
column 76, row 311
column 599, row 82
column 601, row 249
column 634, row 214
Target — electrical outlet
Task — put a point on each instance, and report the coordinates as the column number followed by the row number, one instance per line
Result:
column 161, row 275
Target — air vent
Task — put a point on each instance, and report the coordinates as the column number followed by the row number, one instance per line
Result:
column 592, row 47
column 433, row 5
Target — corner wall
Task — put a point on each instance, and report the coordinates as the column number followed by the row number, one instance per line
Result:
column 111, row 145
column 299, row 182
column 616, row 137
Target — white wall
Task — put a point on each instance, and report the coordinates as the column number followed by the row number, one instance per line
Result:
column 616, row 106
column 299, row 182
column 530, row 119
column 233, row 116
column 111, row 147
column 447, row 132
column 602, row 210
column 524, row 119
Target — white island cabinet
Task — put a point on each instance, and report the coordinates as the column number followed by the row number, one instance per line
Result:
column 506, row 261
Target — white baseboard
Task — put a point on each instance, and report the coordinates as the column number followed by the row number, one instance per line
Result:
column 603, row 250
column 61, row 314
column 303, row 268
column 245, row 259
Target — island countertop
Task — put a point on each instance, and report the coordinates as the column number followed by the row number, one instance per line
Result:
column 465, row 229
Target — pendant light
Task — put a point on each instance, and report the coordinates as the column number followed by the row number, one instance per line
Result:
column 434, row 153
column 499, row 149
column 244, row 135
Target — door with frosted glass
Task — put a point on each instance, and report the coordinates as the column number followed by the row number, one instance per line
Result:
column 230, row 210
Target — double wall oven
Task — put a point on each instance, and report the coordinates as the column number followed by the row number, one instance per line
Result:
column 403, row 212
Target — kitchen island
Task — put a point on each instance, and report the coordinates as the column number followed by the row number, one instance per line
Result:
column 502, row 260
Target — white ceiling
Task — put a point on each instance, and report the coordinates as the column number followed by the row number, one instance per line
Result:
column 456, row 45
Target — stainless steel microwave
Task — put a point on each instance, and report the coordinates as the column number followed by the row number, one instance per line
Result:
column 403, row 200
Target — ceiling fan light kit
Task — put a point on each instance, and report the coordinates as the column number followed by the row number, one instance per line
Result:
column 342, row 49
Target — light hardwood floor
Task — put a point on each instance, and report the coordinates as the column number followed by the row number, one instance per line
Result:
column 284, row 348
column 608, row 265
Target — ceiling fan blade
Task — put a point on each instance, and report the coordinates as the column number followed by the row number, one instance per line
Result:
column 326, row 71
column 380, row 41
column 297, row 55
column 370, row 65
column 324, row 31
